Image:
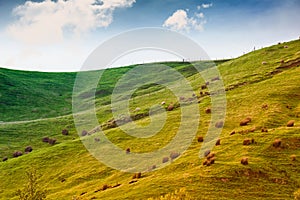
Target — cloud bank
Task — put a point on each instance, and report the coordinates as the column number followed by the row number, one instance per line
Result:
column 50, row 21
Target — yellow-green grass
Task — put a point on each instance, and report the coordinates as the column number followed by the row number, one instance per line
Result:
column 69, row 170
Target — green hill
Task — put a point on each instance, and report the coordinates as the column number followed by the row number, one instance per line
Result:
column 262, row 85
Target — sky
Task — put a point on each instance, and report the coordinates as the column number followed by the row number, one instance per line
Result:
column 59, row 35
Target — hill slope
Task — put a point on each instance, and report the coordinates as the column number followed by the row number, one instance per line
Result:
column 259, row 85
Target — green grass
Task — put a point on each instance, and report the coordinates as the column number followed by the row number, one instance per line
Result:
column 250, row 84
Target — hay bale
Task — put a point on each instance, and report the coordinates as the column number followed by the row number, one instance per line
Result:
column 252, row 129
column 137, row 109
column 293, row 157
column 232, row 133
column 17, row 154
column 210, row 156
column 28, row 149
column 203, row 87
column 244, row 161
column 174, row 155
column 212, row 160
column 45, row 139
column 264, row 130
column 247, row 142
column 208, row 110
column 277, row 143
column 290, row 123
column 286, row 47
column 52, row 141
column 264, row 63
column 219, row 124
column 218, row 142
column 4, row 158
column 205, row 162
column 163, row 103
column 201, row 93
column 170, row 107
column 245, row 121
column 65, row 132
column 206, row 153
column 165, row 159
column 200, row 139
column 84, row 133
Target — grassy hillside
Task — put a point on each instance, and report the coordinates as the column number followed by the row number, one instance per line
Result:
column 263, row 85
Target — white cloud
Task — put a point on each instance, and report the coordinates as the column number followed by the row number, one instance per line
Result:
column 179, row 21
column 198, row 7
column 49, row 21
column 207, row 5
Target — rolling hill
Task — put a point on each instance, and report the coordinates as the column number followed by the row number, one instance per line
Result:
column 263, row 85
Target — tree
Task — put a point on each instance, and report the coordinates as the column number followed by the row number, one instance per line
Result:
column 31, row 190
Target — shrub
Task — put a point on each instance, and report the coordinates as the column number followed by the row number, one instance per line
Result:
column 203, row 87
column 165, row 159
column 65, row 132
column 31, row 190
column 218, row 142
column 290, row 123
column 177, row 195
column 4, row 159
column 128, row 150
column 137, row 175
column 244, row 161
column 104, row 187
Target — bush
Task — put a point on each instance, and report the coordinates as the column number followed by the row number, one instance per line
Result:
column 244, row 161
column 4, row 159
column 200, row 139
column 177, row 195
column 31, row 190
column 45, row 139
column 84, row 133
column 218, row 142
column 128, row 150
column 52, row 141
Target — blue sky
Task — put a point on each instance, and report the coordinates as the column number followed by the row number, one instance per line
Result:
column 55, row 36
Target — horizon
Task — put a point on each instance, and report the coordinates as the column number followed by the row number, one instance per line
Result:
column 53, row 36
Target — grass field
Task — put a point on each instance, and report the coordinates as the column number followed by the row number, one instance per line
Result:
column 269, row 76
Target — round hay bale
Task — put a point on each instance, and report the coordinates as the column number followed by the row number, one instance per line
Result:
column 84, row 133
column 218, row 142
column 170, row 107
column 232, row 133
column 245, row 121
column 165, row 159
column 163, row 103
column 200, row 139
column 208, row 110
column 277, row 143
column 206, row 153
column 210, row 156
column 4, row 158
column 17, row 154
column 65, row 132
column 28, row 149
column 244, row 161
column 293, row 157
column 247, row 142
column 45, row 139
column 219, row 124
column 290, row 123
column 174, row 155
